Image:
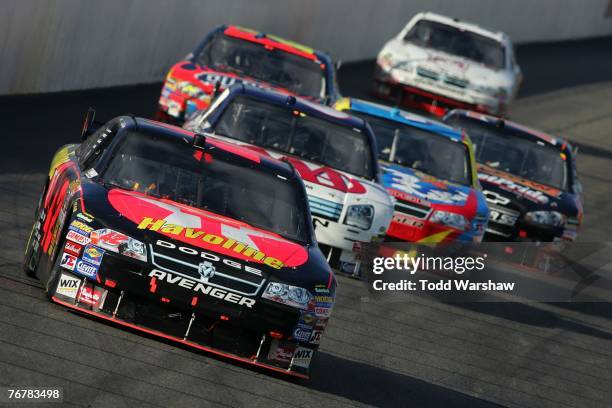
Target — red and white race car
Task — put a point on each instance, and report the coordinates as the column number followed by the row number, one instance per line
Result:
column 438, row 63
column 231, row 54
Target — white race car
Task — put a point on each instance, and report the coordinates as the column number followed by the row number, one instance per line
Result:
column 437, row 63
column 334, row 153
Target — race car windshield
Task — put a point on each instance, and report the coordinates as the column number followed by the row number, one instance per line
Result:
column 451, row 40
column 421, row 150
column 171, row 169
column 506, row 150
column 282, row 69
column 288, row 131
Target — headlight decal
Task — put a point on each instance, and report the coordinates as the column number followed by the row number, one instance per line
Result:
column 289, row 295
column 449, row 219
column 360, row 216
column 119, row 243
column 550, row 218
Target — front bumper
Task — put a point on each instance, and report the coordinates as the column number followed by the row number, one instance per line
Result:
column 525, row 232
column 341, row 236
column 261, row 336
column 415, row 96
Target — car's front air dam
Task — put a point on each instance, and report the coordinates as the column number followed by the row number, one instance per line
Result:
column 183, row 341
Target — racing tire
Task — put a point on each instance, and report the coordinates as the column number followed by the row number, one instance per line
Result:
column 54, row 275
column 54, row 269
column 31, row 257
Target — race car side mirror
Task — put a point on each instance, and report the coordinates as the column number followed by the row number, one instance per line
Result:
column 88, row 124
column 338, row 64
column 199, row 141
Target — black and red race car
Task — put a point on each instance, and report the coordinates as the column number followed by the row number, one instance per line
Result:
column 528, row 177
column 233, row 54
column 197, row 241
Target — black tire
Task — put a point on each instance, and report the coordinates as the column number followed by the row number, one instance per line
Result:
column 31, row 258
column 54, row 263
column 54, row 275
column 29, row 263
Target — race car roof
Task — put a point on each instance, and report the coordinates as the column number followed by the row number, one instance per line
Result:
column 267, row 163
column 397, row 115
column 271, row 41
column 462, row 25
column 494, row 121
column 296, row 103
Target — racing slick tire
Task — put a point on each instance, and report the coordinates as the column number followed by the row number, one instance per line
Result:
column 31, row 257
column 55, row 271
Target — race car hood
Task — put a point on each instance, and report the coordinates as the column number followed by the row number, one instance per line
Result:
column 406, row 55
column 524, row 195
column 409, row 184
column 149, row 219
column 197, row 81
column 327, row 182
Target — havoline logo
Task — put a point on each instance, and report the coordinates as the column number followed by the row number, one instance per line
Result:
column 211, row 239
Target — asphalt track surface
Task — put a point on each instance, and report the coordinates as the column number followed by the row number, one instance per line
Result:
column 414, row 353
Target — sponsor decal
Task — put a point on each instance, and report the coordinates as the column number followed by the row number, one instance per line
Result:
column 93, row 255
column 307, row 318
column 80, row 227
column 302, row 334
column 72, row 248
column 503, row 217
column 407, row 197
column 85, row 218
column 407, row 220
column 530, row 189
column 327, row 177
column 202, row 288
column 324, row 299
column 221, row 241
column 208, row 231
column 212, row 78
column 92, row 296
column 316, row 336
column 428, row 189
column 111, row 240
column 108, row 239
column 323, row 289
column 323, row 311
column 68, row 261
column 210, row 257
column 76, row 237
column 280, row 351
column 302, row 357
column 68, row 286
column 317, row 174
column 85, row 269
column 513, row 187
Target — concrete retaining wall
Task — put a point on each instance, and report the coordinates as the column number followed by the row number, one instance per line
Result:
column 58, row 45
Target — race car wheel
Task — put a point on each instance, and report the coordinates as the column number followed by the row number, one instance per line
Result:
column 31, row 257
column 54, row 275
column 55, row 269
column 29, row 260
